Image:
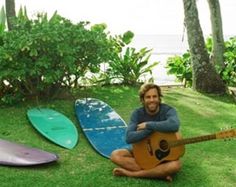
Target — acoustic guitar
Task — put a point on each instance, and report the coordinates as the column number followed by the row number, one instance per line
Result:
column 160, row 147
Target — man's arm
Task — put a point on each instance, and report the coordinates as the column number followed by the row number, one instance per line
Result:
column 132, row 135
column 171, row 124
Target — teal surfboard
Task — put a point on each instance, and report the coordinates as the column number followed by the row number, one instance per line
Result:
column 54, row 126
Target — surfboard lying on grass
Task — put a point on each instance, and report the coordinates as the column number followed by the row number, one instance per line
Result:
column 13, row 154
column 103, row 127
column 54, row 126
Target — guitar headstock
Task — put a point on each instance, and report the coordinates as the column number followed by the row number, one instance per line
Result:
column 226, row 134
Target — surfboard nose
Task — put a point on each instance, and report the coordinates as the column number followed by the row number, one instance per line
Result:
column 14, row 154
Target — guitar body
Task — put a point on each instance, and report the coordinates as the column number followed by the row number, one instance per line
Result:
column 156, row 149
column 161, row 147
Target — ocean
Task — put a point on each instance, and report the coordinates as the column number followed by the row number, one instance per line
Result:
column 163, row 46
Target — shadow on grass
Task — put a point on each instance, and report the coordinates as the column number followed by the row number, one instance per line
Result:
column 200, row 115
column 226, row 98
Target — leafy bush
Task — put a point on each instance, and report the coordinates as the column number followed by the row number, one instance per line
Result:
column 131, row 66
column 229, row 72
column 41, row 57
column 181, row 67
column 126, row 65
column 44, row 57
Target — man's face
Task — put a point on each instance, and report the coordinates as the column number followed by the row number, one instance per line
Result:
column 151, row 101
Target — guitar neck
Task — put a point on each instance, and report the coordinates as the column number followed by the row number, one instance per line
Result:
column 192, row 140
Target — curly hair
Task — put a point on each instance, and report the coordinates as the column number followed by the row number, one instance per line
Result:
column 146, row 87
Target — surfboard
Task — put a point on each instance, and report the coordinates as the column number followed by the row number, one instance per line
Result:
column 13, row 154
column 54, row 126
column 102, row 126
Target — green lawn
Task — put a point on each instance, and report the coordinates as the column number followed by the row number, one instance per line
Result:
column 210, row 163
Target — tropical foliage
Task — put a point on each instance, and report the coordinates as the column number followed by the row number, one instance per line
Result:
column 129, row 67
column 229, row 72
column 181, row 67
column 44, row 57
column 39, row 57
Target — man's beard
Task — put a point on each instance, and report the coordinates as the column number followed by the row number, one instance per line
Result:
column 152, row 109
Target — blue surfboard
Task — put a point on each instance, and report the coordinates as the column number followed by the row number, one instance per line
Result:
column 54, row 126
column 102, row 126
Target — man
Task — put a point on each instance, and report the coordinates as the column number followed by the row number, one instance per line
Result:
column 153, row 116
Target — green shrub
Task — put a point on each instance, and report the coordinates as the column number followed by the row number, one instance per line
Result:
column 126, row 65
column 229, row 72
column 181, row 67
column 42, row 57
column 129, row 67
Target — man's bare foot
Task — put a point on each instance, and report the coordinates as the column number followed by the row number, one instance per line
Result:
column 120, row 172
column 125, row 172
column 169, row 178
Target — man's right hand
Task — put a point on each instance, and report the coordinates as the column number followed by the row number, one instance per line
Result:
column 141, row 126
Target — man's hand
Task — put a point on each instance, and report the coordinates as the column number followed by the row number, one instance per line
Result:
column 141, row 126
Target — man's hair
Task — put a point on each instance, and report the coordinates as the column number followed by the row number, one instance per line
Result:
column 146, row 87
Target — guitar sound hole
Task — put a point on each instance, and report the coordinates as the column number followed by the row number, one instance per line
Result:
column 164, row 145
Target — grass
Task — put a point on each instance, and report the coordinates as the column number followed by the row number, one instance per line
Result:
column 206, row 164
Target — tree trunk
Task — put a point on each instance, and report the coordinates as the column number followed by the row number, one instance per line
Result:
column 217, row 33
column 205, row 77
column 10, row 12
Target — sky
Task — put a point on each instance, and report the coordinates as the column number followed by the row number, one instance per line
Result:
column 143, row 17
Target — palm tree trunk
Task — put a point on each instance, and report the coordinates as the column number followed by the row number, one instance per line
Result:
column 205, row 77
column 10, row 13
column 217, row 33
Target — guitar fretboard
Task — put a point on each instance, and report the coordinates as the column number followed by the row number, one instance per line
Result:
column 192, row 140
